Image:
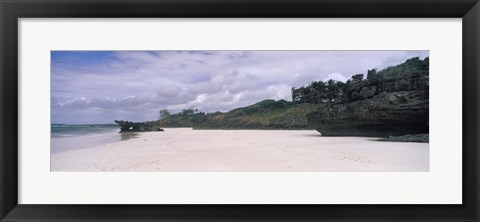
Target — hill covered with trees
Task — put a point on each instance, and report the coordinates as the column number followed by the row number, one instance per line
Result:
column 390, row 102
column 267, row 114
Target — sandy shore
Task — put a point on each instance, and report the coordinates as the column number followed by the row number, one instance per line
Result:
column 181, row 149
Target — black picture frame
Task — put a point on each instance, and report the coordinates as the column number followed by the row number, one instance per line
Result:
column 12, row 10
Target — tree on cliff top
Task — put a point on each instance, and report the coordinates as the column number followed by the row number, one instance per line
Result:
column 320, row 91
column 164, row 113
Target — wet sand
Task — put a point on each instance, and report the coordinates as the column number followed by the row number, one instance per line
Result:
column 187, row 150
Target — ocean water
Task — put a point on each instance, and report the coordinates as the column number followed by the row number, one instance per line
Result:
column 66, row 130
column 70, row 137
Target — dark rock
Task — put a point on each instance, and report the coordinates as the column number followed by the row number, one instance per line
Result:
column 418, row 138
column 391, row 102
column 126, row 126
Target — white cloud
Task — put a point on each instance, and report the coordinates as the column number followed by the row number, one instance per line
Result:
column 337, row 76
column 134, row 85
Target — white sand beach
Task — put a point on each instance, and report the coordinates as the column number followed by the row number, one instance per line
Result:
column 184, row 149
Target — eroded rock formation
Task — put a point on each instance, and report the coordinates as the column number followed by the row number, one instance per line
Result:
column 392, row 102
column 126, row 126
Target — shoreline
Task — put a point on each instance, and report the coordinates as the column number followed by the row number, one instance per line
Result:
column 83, row 141
column 188, row 150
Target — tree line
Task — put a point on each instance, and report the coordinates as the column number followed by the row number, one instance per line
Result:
column 318, row 91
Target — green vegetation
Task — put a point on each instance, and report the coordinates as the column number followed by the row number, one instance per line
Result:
column 412, row 65
column 391, row 102
column 186, row 118
column 267, row 114
column 164, row 113
column 318, row 92
column 332, row 107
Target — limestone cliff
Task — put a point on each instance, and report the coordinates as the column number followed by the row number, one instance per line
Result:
column 392, row 102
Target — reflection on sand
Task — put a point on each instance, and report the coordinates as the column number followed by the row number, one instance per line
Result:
column 128, row 135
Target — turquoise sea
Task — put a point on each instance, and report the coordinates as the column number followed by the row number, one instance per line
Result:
column 66, row 130
column 65, row 137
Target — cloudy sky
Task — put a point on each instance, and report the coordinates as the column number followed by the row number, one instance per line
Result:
column 101, row 86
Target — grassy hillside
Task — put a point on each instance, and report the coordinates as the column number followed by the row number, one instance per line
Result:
column 392, row 101
column 267, row 114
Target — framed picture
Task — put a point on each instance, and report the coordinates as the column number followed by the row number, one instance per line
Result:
column 227, row 110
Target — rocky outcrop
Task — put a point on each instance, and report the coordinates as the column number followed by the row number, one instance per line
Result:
column 417, row 138
column 126, row 126
column 392, row 102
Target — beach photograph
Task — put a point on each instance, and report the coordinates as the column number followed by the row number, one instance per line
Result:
column 239, row 111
